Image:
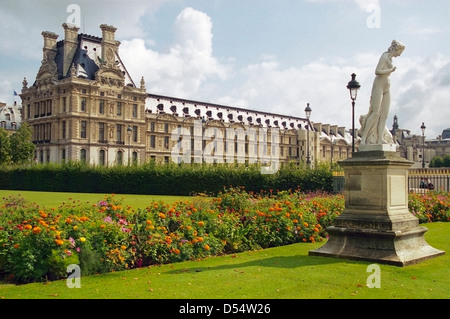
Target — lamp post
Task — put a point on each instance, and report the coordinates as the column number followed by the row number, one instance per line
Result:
column 353, row 86
column 129, row 131
column 308, row 111
column 423, row 144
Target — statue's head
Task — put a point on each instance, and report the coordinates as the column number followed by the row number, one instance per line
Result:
column 396, row 48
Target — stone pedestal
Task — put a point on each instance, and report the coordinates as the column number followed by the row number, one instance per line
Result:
column 376, row 224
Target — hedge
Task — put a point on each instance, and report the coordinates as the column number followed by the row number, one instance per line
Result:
column 161, row 179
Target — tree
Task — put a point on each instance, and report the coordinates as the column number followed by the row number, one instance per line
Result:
column 5, row 147
column 22, row 149
column 440, row 161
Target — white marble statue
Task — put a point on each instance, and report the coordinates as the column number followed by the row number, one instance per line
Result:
column 373, row 124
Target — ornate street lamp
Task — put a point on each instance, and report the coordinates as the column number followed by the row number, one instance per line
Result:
column 129, row 131
column 353, row 87
column 423, row 144
column 308, row 111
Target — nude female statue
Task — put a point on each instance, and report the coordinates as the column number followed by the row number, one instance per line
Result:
column 373, row 125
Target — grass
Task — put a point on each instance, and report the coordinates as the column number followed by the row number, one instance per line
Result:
column 277, row 273
column 54, row 199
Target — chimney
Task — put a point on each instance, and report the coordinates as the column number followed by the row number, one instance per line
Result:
column 109, row 45
column 49, row 41
column 70, row 45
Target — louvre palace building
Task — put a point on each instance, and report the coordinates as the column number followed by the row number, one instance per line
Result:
column 85, row 106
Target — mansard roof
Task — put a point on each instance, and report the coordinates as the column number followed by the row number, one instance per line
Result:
column 10, row 114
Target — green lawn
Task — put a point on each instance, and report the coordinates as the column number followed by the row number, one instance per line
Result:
column 277, row 273
column 52, row 199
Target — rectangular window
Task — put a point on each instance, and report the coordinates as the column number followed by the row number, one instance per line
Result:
column 83, row 129
column 166, row 127
column 135, row 134
column 152, row 126
column 101, row 131
column 135, row 110
column 63, row 133
column 153, row 141
column 83, row 104
column 119, row 133
column 166, row 142
column 119, row 108
column 64, row 104
column 101, row 106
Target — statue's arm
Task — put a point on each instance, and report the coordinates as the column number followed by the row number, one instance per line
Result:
column 384, row 67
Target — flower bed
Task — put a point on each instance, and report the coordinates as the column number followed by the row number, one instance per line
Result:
column 38, row 244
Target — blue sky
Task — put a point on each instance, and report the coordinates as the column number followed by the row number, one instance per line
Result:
column 274, row 56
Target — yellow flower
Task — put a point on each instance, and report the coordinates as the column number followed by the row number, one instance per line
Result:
column 75, row 227
column 82, row 239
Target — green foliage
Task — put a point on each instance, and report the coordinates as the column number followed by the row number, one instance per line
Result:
column 440, row 161
column 161, row 179
column 5, row 147
column 22, row 150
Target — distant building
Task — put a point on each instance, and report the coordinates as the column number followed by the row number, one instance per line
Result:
column 417, row 148
column 85, row 106
column 10, row 116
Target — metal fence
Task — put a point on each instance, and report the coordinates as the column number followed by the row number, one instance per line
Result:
column 423, row 180
column 419, row 180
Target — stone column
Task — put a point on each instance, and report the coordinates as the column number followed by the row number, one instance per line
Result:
column 376, row 224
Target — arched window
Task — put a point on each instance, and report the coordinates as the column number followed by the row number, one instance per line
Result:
column 119, row 158
column 83, row 155
column 101, row 157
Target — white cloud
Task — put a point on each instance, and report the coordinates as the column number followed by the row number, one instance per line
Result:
column 188, row 64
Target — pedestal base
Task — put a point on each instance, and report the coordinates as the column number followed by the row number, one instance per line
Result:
column 398, row 248
column 376, row 224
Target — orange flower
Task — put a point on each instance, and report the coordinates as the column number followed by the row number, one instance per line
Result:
column 305, row 224
column 59, row 242
column 36, row 230
column 123, row 247
column 201, row 223
column 206, row 247
column 68, row 220
column 28, row 227
column 161, row 215
column 16, row 246
column 176, row 251
column 200, row 239
column 149, row 222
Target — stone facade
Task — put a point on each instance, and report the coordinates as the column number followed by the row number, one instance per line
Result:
column 10, row 116
column 85, row 106
column 417, row 148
